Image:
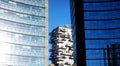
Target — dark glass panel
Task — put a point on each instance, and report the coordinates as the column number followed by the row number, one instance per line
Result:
column 101, row 43
column 102, row 24
column 102, row 34
column 96, row 63
column 102, row 6
column 102, row 15
column 97, row 0
column 96, row 54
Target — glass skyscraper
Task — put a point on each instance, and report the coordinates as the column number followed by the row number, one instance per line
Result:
column 96, row 24
column 23, row 33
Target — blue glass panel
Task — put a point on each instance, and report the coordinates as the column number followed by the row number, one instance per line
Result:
column 96, row 63
column 101, row 43
column 102, row 6
column 96, row 54
column 95, row 0
column 102, row 24
column 102, row 33
column 102, row 15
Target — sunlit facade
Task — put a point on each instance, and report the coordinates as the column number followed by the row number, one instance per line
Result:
column 23, row 33
column 62, row 46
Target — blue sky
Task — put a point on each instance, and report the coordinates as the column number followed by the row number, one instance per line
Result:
column 59, row 14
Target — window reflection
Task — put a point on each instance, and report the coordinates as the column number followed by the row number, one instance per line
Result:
column 35, row 3
column 21, row 28
column 102, row 24
column 16, row 49
column 21, row 39
column 22, row 32
column 20, row 60
column 101, row 29
column 23, row 18
column 102, row 15
column 24, row 8
column 102, row 6
column 102, row 34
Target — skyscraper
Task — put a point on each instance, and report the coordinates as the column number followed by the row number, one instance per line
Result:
column 23, row 33
column 95, row 25
column 62, row 46
column 113, row 54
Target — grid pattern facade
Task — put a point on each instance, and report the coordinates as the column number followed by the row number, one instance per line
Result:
column 101, row 27
column 23, row 33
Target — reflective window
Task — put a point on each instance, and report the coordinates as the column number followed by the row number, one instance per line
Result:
column 102, row 33
column 21, row 39
column 96, row 0
column 101, row 43
column 101, row 6
column 20, row 7
column 102, row 28
column 22, row 32
column 102, row 24
column 33, row 8
column 21, row 60
column 97, row 62
column 17, row 17
column 27, row 50
column 96, row 54
column 102, row 15
column 21, row 28
column 31, row 2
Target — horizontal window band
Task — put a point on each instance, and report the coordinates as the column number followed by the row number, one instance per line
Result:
column 101, row 19
column 22, row 12
column 27, row 4
column 99, row 48
column 23, row 55
column 99, row 59
column 103, row 28
column 23, row 44
column 22, row 23
column 101, row 10
column 21, row 33
column 101, row 1
column 100, row 38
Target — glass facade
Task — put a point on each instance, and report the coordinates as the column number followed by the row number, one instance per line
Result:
column 23, row 33
column 102, row 28
column 101, row 19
